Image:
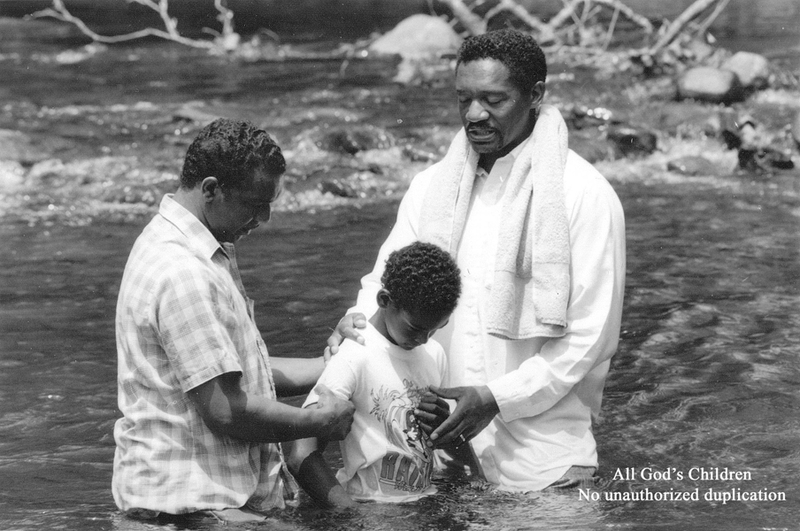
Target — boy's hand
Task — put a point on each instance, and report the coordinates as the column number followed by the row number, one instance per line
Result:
column 475, row 409
column 336, row 415
column 431, row 412
column 346, row 329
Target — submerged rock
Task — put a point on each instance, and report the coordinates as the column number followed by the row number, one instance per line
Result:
column 764, row 160
column 692, row 165
column 338, row 188
column 351, row 140
column 631, row 142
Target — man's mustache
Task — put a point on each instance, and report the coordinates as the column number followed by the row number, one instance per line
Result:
column 480, row 128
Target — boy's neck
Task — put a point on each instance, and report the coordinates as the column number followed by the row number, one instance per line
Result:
column 377, row 320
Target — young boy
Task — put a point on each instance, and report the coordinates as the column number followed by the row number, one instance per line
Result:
column 386, row 455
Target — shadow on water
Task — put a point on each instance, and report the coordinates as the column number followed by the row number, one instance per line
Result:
column 705, row 379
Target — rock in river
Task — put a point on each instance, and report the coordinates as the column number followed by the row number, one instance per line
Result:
column 692, row 165
column 418, row 35
column 752, row 69
column 710, row 84
column 631, row 141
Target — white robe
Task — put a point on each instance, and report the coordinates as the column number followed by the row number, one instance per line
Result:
column 548, row 391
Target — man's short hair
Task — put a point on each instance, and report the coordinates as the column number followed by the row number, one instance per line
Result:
column 518, row 51
column 232, row 151
column 423, row 277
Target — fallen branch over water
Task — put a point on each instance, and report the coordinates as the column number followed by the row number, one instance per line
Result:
column 225, row 39
column 581, row 28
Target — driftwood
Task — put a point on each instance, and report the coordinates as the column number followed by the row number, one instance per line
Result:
column 569, row 9
column 678, row 25
column 225, row 39
column 567, row 32
column 475, row 25
column 545, row 31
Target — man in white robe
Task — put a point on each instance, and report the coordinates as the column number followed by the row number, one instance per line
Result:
column 539, row 236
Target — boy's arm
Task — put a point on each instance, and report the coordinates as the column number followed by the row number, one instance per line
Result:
column 309, row 467
column 306, row 460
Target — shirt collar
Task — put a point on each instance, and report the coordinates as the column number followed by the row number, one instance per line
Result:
column 189, row 225
column 504, row 164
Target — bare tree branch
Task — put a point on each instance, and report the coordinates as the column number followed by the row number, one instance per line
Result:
column 677, row 25
column 520, row 12
column 60, row 12
column 611, row 26
column 712, row 17
column 474, row 24
column 569, row 9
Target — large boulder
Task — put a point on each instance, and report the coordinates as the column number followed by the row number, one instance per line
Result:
column 752, row 69
column 710, row 84
column 418, row 35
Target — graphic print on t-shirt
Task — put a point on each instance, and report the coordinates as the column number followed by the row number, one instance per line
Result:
column 409, row 470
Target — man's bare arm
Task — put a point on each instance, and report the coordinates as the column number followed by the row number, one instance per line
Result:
column 227, row 409
column 295, row 376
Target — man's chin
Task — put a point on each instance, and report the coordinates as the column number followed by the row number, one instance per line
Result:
column 484, row 148
column 484, row 144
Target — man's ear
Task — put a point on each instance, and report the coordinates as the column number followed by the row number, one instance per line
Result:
column 210, row 187
column 384, row 298
column 537, row 93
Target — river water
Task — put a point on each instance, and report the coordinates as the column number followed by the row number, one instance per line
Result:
column 702, row 397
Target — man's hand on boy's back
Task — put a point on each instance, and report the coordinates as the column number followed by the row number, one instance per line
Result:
column 345, row 329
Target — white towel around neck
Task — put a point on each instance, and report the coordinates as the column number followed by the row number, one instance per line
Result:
column 530, row 292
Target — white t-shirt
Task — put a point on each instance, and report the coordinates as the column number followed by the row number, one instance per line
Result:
column 385, row 455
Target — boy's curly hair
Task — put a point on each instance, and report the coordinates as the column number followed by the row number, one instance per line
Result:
column 518, row 51
column 231, row 151
column 423, row 277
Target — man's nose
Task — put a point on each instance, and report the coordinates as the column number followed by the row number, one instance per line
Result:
column 476, row 112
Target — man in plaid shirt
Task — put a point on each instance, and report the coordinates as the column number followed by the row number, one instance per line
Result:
column 201, row 425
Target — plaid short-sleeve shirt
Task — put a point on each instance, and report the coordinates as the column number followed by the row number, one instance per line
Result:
column 183, row 319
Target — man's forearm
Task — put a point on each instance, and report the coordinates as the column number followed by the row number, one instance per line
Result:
column 265, row 420
column 228, row 410
column 295, row 376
